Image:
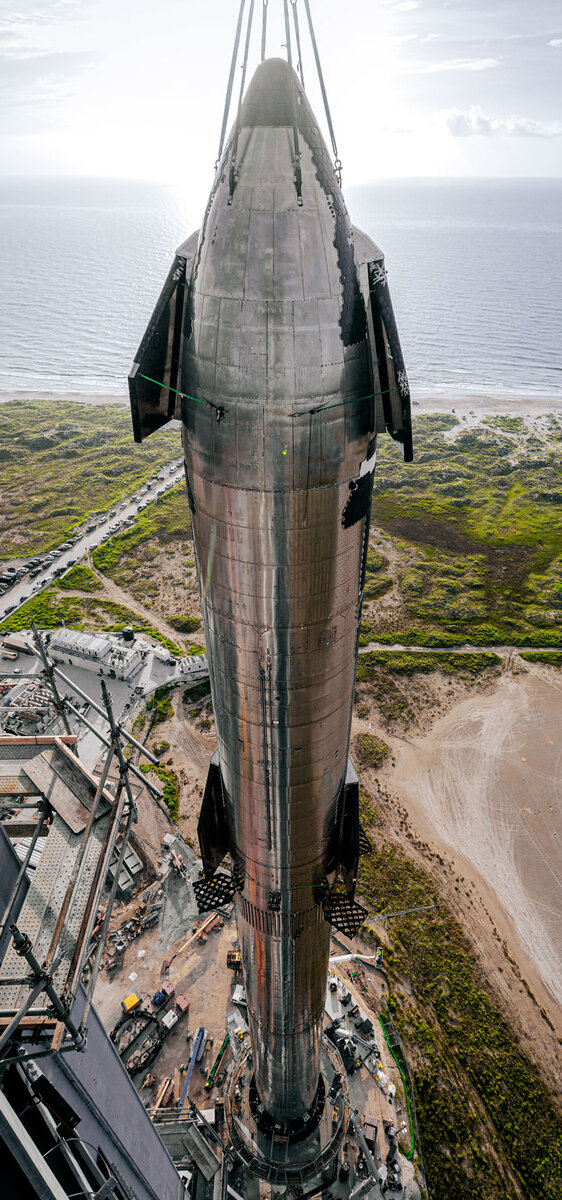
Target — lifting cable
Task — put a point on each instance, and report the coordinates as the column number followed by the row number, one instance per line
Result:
column 233, row 174
column 300, row 70
column 298, row 173
column 230, row 81
column 337, row 163
column 298, row 40
column 264, row 29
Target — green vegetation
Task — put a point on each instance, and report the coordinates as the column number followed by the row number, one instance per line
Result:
column 151, row 560
column 171, row 791
column 370, row 751
column 80, row 579
column 481, row 1102
column 166, row 523
column 551, row 658
column 411, row 662
column 160, row 706
column 51, row 608
column 198, row 692
column 185, row 624
column 379, row 670
column 159, row 748
column 61, row 462
column 477, row 523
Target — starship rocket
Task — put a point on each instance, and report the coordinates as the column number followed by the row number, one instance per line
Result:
column 274, row 342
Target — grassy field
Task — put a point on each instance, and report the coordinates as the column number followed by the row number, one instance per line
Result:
column 476, row 524
column 473, row 527
column 162, row 528
column 154, row 562
column 54, row 607
column 465, row 542
column 59, row 462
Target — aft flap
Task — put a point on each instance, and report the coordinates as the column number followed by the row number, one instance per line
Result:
column 154, row 378
column 212, row 828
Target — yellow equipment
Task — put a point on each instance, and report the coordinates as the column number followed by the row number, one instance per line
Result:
column 130, row 1002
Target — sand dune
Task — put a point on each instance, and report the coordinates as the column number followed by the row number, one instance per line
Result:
column 486, row 780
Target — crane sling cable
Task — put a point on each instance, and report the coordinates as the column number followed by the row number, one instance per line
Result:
column 337, row 161
column 231, row 80
column 296, row 142
column 264, row 29
column 233, row 176
column 298, row 41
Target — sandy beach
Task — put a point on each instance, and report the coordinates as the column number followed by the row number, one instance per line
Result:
column 484, row 783
column 473, row 408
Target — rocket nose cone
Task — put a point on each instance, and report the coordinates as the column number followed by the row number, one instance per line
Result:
column 269, row 99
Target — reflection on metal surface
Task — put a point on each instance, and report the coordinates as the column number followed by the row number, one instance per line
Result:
column 285, row 343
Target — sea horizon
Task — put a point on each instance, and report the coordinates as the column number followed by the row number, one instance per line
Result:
column 473, row 266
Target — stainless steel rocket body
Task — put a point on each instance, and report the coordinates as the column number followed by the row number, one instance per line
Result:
column 279, row 435
column 280, row 576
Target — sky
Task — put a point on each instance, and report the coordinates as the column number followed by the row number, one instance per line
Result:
column 135, row 88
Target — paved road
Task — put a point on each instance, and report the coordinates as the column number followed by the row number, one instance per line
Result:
column 21, row 591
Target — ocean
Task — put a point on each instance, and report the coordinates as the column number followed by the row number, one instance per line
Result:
column 475, row 275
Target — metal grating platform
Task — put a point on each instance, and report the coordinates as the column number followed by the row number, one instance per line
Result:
column 213, row 893
column 43, row 903
column 344, row 914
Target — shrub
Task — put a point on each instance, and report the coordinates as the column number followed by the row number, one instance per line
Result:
column 370, row 750
column 184, row 624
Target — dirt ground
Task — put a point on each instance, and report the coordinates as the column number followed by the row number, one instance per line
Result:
column 475, row 785
column 197, row 970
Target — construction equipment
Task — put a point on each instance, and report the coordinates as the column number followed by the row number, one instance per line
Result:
column 197, row 1049
column 197, row 932
column 218, row 1060
column 130, row 1002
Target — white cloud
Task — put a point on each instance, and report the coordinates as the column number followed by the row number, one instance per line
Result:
column 399, row 39
column 473, row 121
column 458, row 64
column 555, row 42
column 404, row 5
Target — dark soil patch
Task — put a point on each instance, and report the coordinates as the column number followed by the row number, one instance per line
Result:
column 507, row 564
